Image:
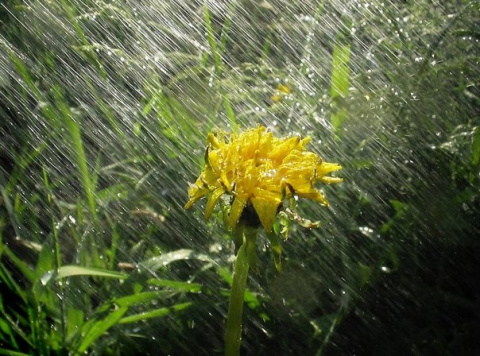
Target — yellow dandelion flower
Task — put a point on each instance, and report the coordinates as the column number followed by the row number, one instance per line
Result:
column 259, row 171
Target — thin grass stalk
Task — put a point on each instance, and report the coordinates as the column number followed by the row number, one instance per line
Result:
column 80, row 157
column 340, row 77
column 57, row 259
column 211, row 39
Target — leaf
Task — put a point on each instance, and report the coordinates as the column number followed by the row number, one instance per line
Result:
column 154, row 313
column 340, row 77
column 230, row 113
column 211, row 39
column 70, row 271
column 155, row 263
column 365, row 273
column 45, row 261
column 177, row 285
column 113, row 193
column 340, row 80
column 12, row 353
column 138, row 298
column 75, row 320
column 476, row 147
column 99, row 328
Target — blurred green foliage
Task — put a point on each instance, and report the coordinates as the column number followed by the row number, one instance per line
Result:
column 104, row 110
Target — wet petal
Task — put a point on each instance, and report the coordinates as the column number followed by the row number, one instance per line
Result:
column 330, row 180
column 236, row 211
column 212, row 200
column 195, row 192
column 313, row 194
column 280, row 151
column 325, row 168
column 266, row 210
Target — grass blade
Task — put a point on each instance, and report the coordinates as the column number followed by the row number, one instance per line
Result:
column 99, row 328
column 155, row 263
column 70, row 271
column 154, row 313
column 340, row 77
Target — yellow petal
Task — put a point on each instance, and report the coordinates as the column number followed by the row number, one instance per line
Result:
column 195, row 192
column 275, row 98
column 314, row 195
column 209, row 178
column 281, row 150
column 284, row 88
column 236, row 211
column 266, row 211
column 226, row 183
column 215, row 160
column 325, row 168
column 304, row 142
column 330, row 180
column 212, row 200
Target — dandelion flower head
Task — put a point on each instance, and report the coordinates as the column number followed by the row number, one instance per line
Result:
column 259, row 171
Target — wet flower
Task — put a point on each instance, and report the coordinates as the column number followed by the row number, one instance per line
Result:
column 259, row 171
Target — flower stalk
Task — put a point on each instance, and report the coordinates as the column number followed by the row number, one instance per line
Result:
column 233, row 332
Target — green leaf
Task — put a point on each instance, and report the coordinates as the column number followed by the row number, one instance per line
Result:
column 138, row 298
column 340, row 77
column 211, row 39
column 340, row 80
column 177, row 285
column 12, row 353
column 73, row 126
column 6, row 330
column 75, row 320
column 365, row 273
column 230, row 114
column 113, row 193
column 476, row 147
column 154, row 313
column 45, row 262
column 70, row 271
column 99, row 328
column 155, row 263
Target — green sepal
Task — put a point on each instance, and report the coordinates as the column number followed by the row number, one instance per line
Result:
column 237, row 234
column 250, row 234
column 276, row 247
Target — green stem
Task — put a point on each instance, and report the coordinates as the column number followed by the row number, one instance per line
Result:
column 233, row 334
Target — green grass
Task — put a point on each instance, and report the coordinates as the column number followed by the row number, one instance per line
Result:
column 340, row 76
